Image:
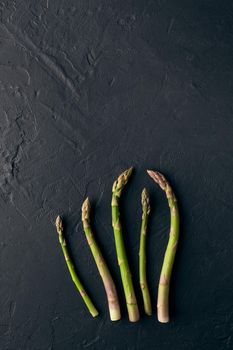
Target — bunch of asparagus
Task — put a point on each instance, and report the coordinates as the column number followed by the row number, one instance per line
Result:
column 125, row 272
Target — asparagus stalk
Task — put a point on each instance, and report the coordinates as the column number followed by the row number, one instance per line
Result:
column 71, row 268
column 126, row 277
column 109, row 285
column 165, row 276
column 142, row 253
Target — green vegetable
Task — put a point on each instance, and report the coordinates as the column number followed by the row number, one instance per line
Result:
column 165, row 276
column 126, row 277
column 142, row 253
column 109, row 285
column 70, row 266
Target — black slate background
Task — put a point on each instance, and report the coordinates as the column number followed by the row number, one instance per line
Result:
column 87, row 89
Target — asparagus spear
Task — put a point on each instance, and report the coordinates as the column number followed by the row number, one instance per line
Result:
column 109, row 285
column 165, row 276
column 70, row 266
column 126, row 277
column 142, row 253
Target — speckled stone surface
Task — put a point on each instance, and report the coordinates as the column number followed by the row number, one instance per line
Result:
column 87, row 89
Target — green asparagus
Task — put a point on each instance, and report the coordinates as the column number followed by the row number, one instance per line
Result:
column 109, row 285
column 72, row 271
column 126, row 277
column 165, row 276
column 142, row 253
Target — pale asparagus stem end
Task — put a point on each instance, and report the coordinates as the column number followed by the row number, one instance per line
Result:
column 134, row 316
column 162, row 315
column 115, row 315
column 162, row 302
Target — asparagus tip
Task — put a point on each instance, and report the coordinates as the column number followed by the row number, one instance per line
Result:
column 126, row 174
column 86, row 204
column 122, row 180
column 58, row 224
column 145, row 193
column 145, row 200
column 131, row 169
column 86, row 209
column 158, row 178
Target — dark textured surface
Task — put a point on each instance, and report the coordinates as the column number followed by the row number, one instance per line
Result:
column 87, row 89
